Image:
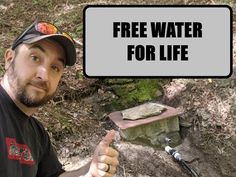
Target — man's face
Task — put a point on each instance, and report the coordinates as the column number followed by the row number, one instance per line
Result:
column 35, row 72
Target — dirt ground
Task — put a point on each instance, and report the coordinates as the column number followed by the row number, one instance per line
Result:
column 76, row 121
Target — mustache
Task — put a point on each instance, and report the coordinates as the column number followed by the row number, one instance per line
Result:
column 40, row 84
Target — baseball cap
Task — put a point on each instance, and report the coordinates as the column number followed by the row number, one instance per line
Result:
column 40, row 30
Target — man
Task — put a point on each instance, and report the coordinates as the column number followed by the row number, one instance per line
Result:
column 34, row 66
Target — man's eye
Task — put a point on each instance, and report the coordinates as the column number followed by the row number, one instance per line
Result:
column 55, row 68
column 34, row 58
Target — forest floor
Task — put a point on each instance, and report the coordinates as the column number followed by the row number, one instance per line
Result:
column 76, row 123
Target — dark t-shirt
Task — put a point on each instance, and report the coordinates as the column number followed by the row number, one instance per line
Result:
column 25, row 147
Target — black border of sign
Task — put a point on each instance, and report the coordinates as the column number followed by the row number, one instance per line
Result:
column 151, row 6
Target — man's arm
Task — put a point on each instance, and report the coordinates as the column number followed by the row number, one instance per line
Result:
column 104, row 162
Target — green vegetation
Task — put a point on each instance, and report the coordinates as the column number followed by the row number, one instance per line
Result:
column 79, row 30
column 80, row 75
column 136, row 92
column 1, row 59
column 229, row 2
column 59, row 122
column 71, row 21
column 44, row 3
column 1, row 52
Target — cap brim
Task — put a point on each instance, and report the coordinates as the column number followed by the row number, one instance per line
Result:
column 66, row 43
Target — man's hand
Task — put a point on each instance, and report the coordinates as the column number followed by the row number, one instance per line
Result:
column 105, row 158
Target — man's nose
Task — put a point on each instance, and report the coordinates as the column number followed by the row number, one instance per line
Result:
column 42, row 73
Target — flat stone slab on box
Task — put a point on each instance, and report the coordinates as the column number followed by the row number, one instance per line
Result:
column 151, row 130
column 143, row 111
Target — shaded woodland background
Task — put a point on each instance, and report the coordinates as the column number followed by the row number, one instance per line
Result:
column 76, row 118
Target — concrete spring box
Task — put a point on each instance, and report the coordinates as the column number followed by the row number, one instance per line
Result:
column 151, row 130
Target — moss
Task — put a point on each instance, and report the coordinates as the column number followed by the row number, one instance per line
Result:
column 146, row 90
column 118, row 81
column 80, row 75
column 131, row 94
column 78, row 31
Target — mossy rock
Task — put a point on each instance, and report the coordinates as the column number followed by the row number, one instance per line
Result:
column 118, row 81
column 133, row 93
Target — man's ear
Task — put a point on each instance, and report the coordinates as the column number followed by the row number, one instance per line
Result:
column 8, row 58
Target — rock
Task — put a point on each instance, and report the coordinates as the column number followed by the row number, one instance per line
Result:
column 131, row 93
column 143, row 111
column 119, row 81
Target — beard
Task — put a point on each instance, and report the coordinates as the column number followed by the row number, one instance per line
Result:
column 29, row 101
column 19, row 89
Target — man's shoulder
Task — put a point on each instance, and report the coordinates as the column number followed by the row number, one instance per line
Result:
column 38, row 126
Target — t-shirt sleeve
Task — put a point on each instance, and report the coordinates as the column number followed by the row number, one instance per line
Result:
column 49, row 165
